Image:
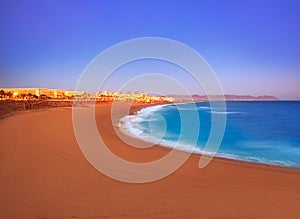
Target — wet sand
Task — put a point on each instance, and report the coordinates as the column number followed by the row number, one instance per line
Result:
column 43, row 174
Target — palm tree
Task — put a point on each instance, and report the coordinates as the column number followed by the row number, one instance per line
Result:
column 9, row 94
column 23, row 96
column 2, row 93
column 28, row 96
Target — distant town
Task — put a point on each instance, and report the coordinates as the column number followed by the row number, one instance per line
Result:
column 59, row 94
column 105, row 96
column 22, row 99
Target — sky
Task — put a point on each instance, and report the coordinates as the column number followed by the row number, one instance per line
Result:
column 252, row 46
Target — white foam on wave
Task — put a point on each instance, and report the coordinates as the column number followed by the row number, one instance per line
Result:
column 226, row 112
column 188, row 107
column 203, row 107
column 152, row 109
column 127, row 124
column 131, row 124
column 284, row 163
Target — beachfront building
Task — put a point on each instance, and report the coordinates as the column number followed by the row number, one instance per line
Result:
column 19, row 91
column 31, row 93
column 76, row 94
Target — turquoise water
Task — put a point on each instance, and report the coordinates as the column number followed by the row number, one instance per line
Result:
column 257, row 131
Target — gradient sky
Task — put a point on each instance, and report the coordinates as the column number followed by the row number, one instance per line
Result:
column 253, row 46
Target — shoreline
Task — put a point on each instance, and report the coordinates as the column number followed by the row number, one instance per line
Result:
column 45, row 175
column 136, row 107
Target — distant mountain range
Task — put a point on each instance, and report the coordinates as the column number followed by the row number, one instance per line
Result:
column 197, row 97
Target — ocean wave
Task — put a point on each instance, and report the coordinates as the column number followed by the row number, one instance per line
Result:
column 187, row 107
column 135, row 126
column 283, row 163
column 126, row 123
column 184, row 146
column 151, row 109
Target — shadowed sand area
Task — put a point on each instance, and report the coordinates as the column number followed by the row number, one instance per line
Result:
column 43, row 174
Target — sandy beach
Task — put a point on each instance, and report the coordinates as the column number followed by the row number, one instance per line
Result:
column 43, row 174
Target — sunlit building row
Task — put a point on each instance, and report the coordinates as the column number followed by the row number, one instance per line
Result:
column 46, row 93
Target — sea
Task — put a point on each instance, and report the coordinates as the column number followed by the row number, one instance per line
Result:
column 265, row 132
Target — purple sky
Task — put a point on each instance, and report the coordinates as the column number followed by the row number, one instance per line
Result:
column 253, row 46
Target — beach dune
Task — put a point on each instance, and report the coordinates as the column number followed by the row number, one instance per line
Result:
column 43, row 174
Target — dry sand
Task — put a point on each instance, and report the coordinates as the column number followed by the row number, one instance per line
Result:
column 43, row 174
